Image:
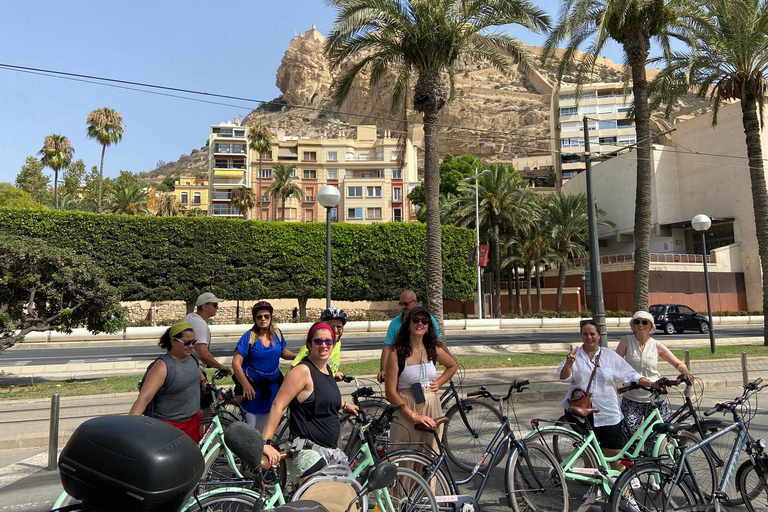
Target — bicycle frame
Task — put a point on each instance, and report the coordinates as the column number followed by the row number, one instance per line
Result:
column 213, row 442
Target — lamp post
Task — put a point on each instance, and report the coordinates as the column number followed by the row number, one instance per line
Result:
column 474, row 178
column 701, row 223
column 329, row 197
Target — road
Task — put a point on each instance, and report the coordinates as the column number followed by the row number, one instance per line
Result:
column 64, row 353
column 37, row 491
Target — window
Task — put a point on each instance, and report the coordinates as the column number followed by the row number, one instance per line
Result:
column 350, row 156
column 380, row 156
column 333, row 174
column 609, row 124
column 332, row 156
column 364, row 157
column 239, row 133
column 196, row 198
column 220, row 209
column 380, row 173
column 571, row 126
column 348, row 174
column 354, row 213
column 373, row 191
column 591, row 125
column 572, row 142
column 395, row 155
column 685, row 310
column 568, row 111
column 264, row 199
column 354, row 191
column 397, row 214
column 624, row 123
column 184, row 198
column 366, row 175
column 627, row 140
column 623, row 109
column 309, row 215
column 310, row 156
column 373, row 213
column 266, row 173
column 567, row 97
column 309, row 194
column 290, row 213
column 219, row 195
column 397, row 194
column 605, row 109
column 186, row 183
column 397, row 174
column 294, row 173
column 335, row 214
column 310, row 174
column 610, row 141
column 266, row 156
column 588, row 109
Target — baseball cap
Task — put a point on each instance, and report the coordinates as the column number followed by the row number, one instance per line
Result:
column 419, row 309
column 205, row 298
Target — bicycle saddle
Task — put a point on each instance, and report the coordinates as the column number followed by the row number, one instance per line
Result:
column 582, row 412
column 438, row 422
column 670, row 428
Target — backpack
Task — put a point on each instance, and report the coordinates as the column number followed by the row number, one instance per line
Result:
column 401, row 363
column 170, row 375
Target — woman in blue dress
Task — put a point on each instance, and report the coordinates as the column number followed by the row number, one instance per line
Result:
column 256, row 364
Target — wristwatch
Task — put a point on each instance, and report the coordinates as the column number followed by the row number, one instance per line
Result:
column 268, row 442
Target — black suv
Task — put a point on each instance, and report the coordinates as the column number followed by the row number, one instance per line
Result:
column 672, row 318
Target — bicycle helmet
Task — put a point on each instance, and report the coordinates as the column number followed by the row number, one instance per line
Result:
column 334, row 314
column 262, row 305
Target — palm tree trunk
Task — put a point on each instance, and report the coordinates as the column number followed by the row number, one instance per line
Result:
column 560, row 286
column 434, row 239
column 282, row 214
column 528, row 268
column 101, row 176
column 518, row 296
column 496, row 269
column 759, row 192
column 259, row 201
column 538, row 285
column 56, row 189
column 637, row 55
column 510, row 279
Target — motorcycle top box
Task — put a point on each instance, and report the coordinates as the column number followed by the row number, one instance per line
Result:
column 130, row 464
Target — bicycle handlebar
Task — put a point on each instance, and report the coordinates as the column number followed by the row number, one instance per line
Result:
column 517, row 385
column 750, row 389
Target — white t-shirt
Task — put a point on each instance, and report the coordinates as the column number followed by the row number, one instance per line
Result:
column 202, row 331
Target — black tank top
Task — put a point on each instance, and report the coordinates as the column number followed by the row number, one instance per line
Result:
column 317, row 417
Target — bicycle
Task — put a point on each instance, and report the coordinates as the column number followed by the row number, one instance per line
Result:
column 533, row 478
column 368, row 401
column 466, row 440
column 660, row 484
column 588, row 472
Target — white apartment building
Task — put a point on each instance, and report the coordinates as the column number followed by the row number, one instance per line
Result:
column 228, row 164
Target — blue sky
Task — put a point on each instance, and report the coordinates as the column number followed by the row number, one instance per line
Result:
column 232, row 47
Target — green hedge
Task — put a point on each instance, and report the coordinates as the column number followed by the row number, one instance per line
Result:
column 175, row 258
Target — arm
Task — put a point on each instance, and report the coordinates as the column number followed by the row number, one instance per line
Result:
column 565, row 373
column 237, row 366
column 295, row 381
column 385, row 350
column 152, row 384
column 204, row 355
column 622, row 348
column 287, row 354
column 669, row 357
column 451, row 365
column 390, row 386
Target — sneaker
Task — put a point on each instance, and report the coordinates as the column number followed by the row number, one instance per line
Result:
column 628, row 504
column 635, row 483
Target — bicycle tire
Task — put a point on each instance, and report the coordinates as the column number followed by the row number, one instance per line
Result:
column 464, row 448
column 701, row 462
column 752, row 488
column 423, row 465
column 720, row 451
column 646, row 486
column 561, row 443
column 65, row 500
column 224, row 502
column 373, row 409
column 536, row 487
column 409, row 493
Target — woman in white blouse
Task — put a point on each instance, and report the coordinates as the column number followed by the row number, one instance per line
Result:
column 576, row 370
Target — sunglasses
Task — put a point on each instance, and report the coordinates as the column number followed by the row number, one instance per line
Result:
column 328, row 342
column 186, row 343
column 638, row 322
column 263, row 317
column 421, row 320
column 587, row 322
column 403, row 304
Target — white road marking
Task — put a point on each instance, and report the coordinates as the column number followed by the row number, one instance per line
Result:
column 22, row 469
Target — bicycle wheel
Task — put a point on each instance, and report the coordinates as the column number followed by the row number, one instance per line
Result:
column 409, row 493
column 424, row 466
column 535, row 483
column 465, row 445
column 752, row 488
column 373, row 409
column 562, row 443
column 720, row 451
column 224, row 502
column 646, row 487
column 701, row 461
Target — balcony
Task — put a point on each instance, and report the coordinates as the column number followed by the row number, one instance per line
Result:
column 224, row 183
column 309, row 199
column 265, row 199
column 229, row 149
column 221, row 196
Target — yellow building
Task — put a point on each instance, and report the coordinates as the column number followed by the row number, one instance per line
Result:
column 192, row 193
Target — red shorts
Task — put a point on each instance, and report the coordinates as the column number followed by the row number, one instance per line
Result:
column 191, row 427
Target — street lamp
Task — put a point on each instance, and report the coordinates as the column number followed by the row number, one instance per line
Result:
column 474, row 178
column 701, row 223
column 329, row 197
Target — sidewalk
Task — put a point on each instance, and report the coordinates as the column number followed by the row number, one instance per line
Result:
column 25, row 423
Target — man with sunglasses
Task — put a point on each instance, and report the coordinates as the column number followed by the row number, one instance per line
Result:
column 207, row 305
column 407, row 302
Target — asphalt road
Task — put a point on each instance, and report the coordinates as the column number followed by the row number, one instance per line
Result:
column 63, row 353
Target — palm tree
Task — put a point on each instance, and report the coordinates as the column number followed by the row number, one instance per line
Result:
column 57, row 154
column 567, row 220
column 260, row 140
column 168, row 205
column 243, row 200
column 283, row 185
column 426, row 38
column 633, row 24
column 131, row 200
column 106, row 126
column 729, row 61
column 503, row 199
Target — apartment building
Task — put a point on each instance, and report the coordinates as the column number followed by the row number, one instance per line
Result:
column 609, row 128
column 192, row 192
column 228, row 164
column 367, row 167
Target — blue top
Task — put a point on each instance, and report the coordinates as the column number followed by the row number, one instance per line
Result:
column 262, row 367
column 395, row 324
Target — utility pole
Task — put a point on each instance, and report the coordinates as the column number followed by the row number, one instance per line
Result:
column 598, row 305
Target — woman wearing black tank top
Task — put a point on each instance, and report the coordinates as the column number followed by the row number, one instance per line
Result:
column 312, row 394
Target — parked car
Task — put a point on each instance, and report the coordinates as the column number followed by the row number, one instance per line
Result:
column 672, row 318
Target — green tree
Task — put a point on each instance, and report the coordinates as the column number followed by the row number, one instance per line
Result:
column 106, row 126
column 729, row 62
column 12, row 197
column 46, row 288
column 57, row 154
column 32, row 180
column 72, row 179
column 168, row 205
column 130, row 200
column 92, row 183
column 426, row 38
column 243, row 200
column 633, row 24
column 503, row 199
column 284, row 185
column 259, row 140
column 452, row 171
column 126, row 179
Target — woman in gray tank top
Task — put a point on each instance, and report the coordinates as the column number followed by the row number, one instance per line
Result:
column 173, row 382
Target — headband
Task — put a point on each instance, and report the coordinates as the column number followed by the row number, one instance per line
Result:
column 178, row 328
column 317, row 327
